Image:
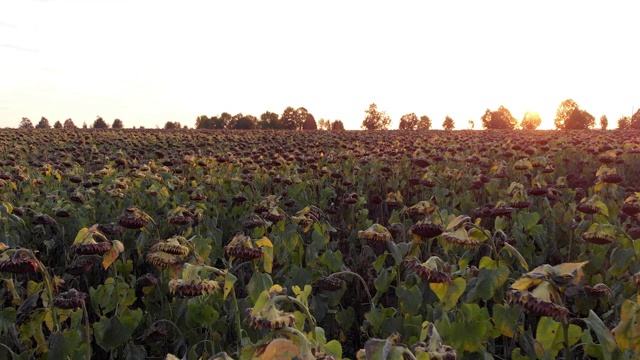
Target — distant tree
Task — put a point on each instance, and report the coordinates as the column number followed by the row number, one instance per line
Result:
column 604, row 122
column 424, row 123
column 57, row 125
column 408, row 122
column 222, row 122
column 269, row 120
column 99, row 123
column 337, row 125
column 117, row 124
column 323, row 124
column 43, row 123
column 247, row 122
column 635, row 120
column 375, row 120
column 624, row 123
column 530, row 121
column 25, row 123
column 448, row 123
column 499, row 119
column 293, row 119
column 68, row 124
column 172, row 125
column 309, row 123
column 203, row 122
column 232, row 124
column 569, row 116
column 84, row 124
column 579, row 120
column 471, row 124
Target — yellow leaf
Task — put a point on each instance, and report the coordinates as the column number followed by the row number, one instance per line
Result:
column 83, row 235
column 110, row 256
column 264, row 242
column 523, row 283
column 280, row 349
column 267, row 258
column 569, row 268
column 229, row 280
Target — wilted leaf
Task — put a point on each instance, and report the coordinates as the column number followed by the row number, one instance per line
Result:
column 110, row 256
column 449, row 293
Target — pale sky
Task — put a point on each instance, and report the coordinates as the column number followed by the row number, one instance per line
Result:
column 149, row 62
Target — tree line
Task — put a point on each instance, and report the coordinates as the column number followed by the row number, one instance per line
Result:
column 290, row 119
column 569, row 116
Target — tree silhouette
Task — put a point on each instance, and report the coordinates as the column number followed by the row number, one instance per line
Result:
column 408, row 122
column 309, row 123
column 68, row 124
column 57, row 125
column 570, row 117
column 635, row 120
column 247, row 122
column 269, row 120
column 448, row 123
column 579, row 120
column 337, row 125
column 43, row 123
column 604, row 122
column 624, row 122
column 25, row 123
column 99, row 123
column 424, row 123
column 530, row 121
column 375, row 120
column 172, row 125
column 499, row 119
column 117, row 124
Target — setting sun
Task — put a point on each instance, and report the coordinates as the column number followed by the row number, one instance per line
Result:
column 149, row 62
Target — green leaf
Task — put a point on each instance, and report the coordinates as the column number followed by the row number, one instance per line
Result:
column 384, row 279
column 487, row 283
column 530, row 220
column 396, row 252
column 470, row 331
column 112, row 332
column 346, row 318
column 201, row 313
column 605, row 338
column 259, row 282
column 506, row 319
column 515, row 253
column 627, row 332
column 409, row 299
column 66, row 345
column 449, row 293
column 333, row 348
column 550, row 336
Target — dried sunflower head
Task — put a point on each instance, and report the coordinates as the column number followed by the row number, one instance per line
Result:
column 376, row 233
column 172, row 246
column 428, row 271
column 133, row 218
column 270, row 318
column 18, row 263
column 426, row 230
column 162, row 259
column 330, row 283
column 192, row 287
column 537, row 306
column 72, row 299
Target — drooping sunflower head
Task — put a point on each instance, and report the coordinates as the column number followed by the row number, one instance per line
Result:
column 376, row 233
column 172, row 245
